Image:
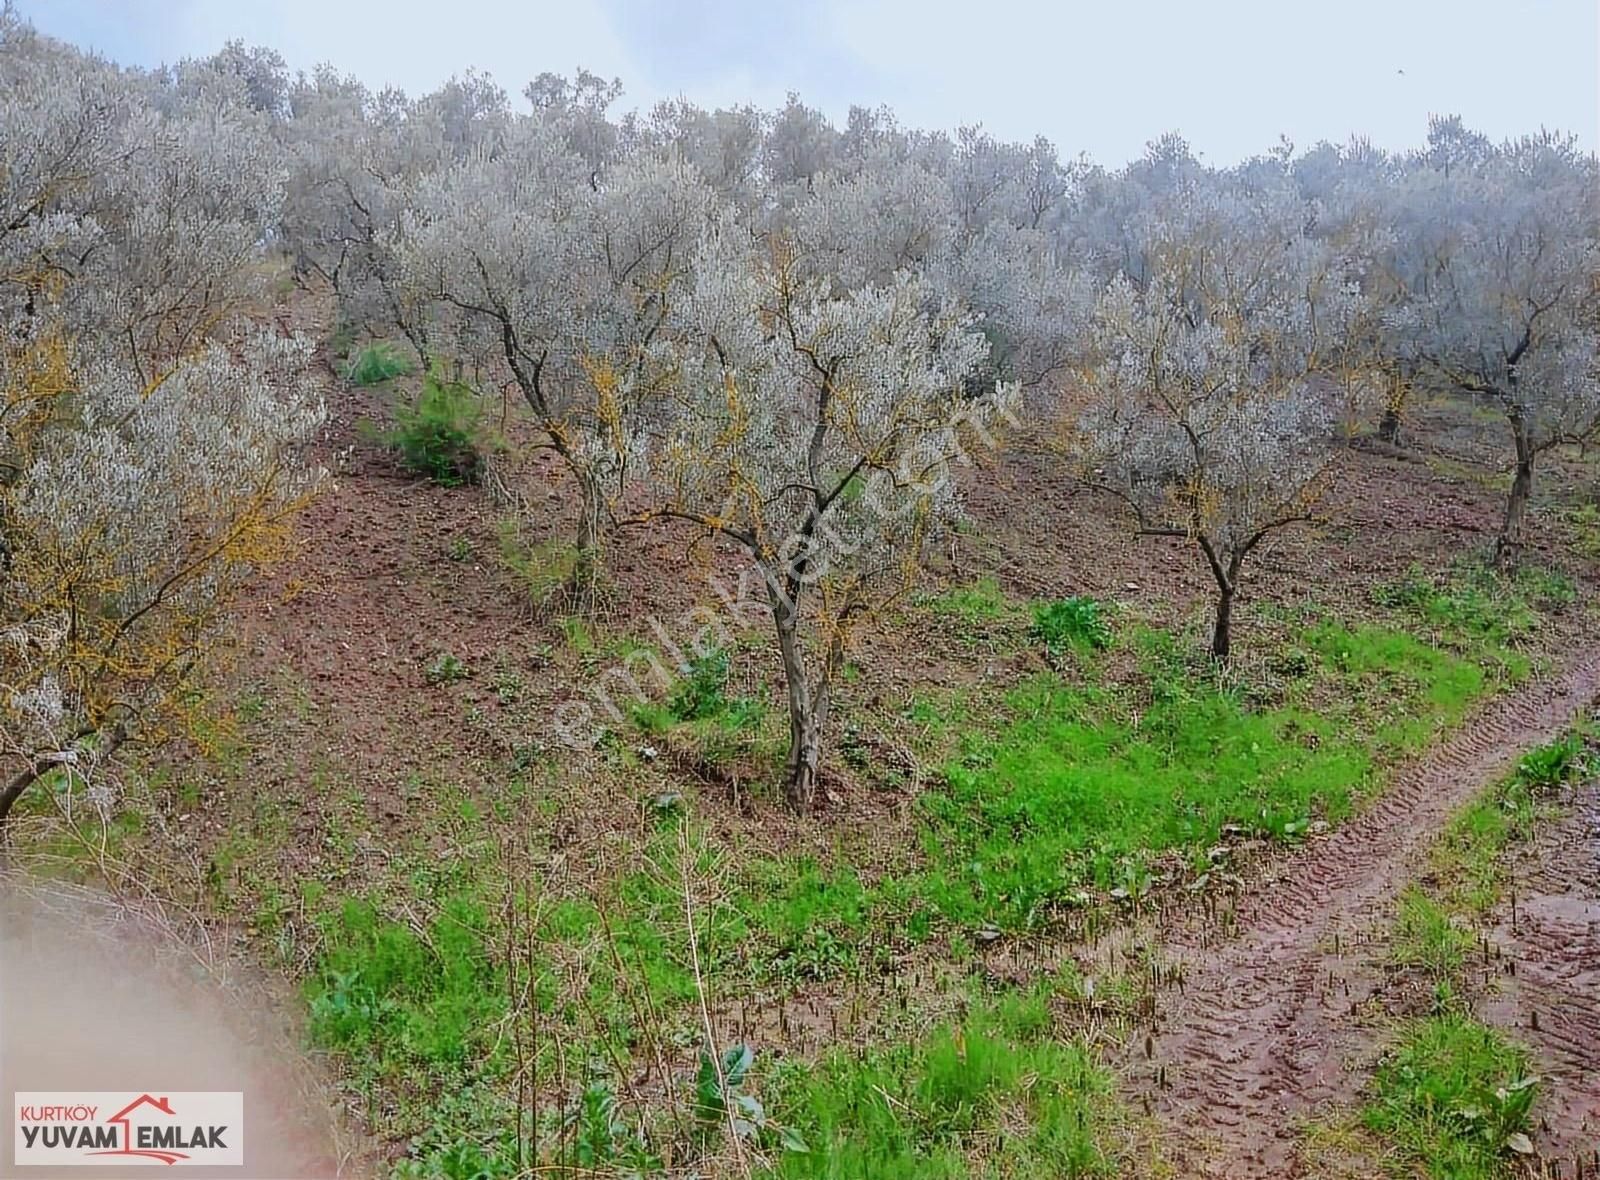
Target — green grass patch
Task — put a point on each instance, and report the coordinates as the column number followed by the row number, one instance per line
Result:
column 994, row 1095
column 376, row 363
column 1479, row 609
column 393, row 999
column 1428, row 937
column 438, row 435
column 981, row 602
column 1453, row 1098
column 1086, row 786
column 1585, row 522
column 1071, row 623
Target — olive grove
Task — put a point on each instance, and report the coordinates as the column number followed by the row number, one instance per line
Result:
column 150, row 433
column 787, row 334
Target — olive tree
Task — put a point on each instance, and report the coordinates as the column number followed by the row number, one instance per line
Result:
column 558, row 280
column 818, row 429
column 149, row 440
column 358, row 161
column 1502, row 299
column 1206, row 415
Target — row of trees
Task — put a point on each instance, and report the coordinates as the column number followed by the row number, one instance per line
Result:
column 791, row 335
column 150, row 427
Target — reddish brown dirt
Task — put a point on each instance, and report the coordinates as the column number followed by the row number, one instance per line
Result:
column 1258, row 1035
column 1548, row 933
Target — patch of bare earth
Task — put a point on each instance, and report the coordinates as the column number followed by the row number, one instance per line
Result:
column 1263, row 1028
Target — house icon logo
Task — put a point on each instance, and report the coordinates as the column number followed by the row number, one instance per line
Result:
column 197, row 1127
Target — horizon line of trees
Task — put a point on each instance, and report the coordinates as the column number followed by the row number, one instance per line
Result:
column 787, row 334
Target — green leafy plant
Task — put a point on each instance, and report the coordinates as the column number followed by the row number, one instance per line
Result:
column 1071, row 622
column 702, row 691
column 438, row 435
column 445, row 668
column 720, row 1098
column 377, row 363
column 1454, row 1096
column 1552, row 764
column 603, row 1136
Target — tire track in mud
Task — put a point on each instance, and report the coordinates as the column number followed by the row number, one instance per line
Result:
column 1550, row 999
column 1259, row 1032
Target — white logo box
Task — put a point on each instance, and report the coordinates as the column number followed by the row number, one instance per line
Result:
column 163, row 1128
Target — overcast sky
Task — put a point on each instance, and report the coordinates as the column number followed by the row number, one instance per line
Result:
column 1097, row 76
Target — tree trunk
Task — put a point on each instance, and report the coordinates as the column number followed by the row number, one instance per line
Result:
column 808, row 713
column 109, row 742
column 1222, row 633
column 586, row 545
column 1508, row 549
column 14, row 789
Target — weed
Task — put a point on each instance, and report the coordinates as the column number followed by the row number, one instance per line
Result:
column 389, row 997
column 545, row 569
column 437, row 436
column 1453, row 1096
column 377, row 363
column 603, row 1136
column 1585, row 522
column 1477, row 606
column 982, row 602
column 701, row 691
column 1071, row 622
column 445, row 668
column 1552, row 764
column 1427, row 937
column 994, row 1095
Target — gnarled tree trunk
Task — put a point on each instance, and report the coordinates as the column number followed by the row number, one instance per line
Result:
column 810, row 696
column 1393, row 405
column 1508, row 548
column 1225, row 566
column 107, row 742
column 19, row 783
column 586, row 563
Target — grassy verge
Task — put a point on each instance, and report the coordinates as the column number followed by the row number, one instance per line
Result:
column 998, row 1094
column 499, row 997
column 1452, row 1097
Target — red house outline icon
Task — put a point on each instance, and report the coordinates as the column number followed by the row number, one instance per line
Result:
column 164, row 1105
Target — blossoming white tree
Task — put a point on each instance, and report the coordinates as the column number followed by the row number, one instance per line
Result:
column 149, row 444
column 817, row 429
column 1503, row 300
column 558, row 280
column 1205, row 416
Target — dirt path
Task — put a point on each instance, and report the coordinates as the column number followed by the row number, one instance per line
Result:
column 1551, row 1001
column 1259, row 1034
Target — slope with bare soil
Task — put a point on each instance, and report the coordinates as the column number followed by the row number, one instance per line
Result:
column 1259, row 1033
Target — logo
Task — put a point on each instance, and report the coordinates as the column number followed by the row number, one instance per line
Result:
column 189, row 1128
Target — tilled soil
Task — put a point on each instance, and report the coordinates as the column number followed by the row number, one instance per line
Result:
column 1260, row 1032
